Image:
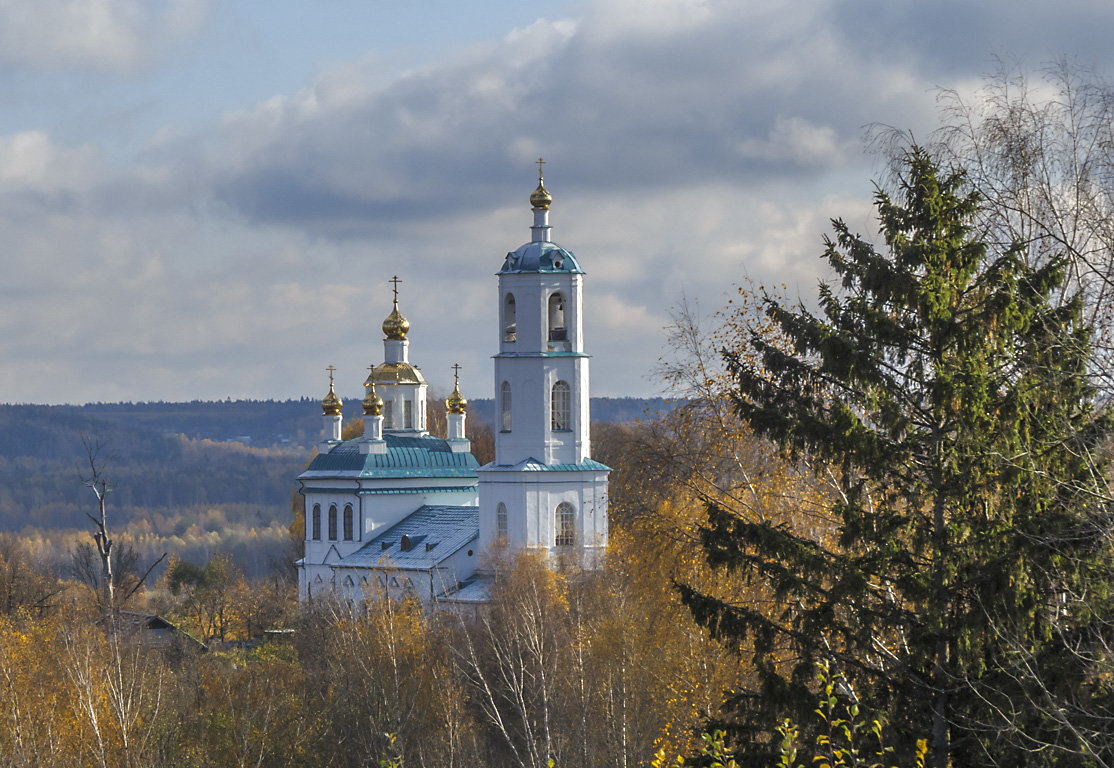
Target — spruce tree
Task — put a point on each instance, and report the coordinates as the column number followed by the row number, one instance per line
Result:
column 948, row 396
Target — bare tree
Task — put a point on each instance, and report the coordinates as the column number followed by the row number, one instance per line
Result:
column 96, row 481
column 114, row 562
column 1040, row 153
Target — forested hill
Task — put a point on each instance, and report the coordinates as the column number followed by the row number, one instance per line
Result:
column 224, row 466
column 147, row 429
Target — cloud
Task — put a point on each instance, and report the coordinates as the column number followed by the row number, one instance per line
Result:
column 610, row 106
column 106, row 35
column 798, row 141
column 690, row 144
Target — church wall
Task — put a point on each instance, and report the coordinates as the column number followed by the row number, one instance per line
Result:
column 459, row 567
column 357, row 585
column 375, row 512
column 532, row 502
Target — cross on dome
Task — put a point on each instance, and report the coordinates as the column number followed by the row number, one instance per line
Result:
column 395, row 326
column 455, row 403
column 331, row 404
column 540, row 199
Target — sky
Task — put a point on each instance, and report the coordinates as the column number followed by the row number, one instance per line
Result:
column 203, row 199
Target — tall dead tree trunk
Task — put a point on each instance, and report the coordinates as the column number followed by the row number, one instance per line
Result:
column 97, row 481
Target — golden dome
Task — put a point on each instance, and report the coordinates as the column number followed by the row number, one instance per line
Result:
column 541, row 198
column 373, row 403
column 396, row 326
column 394, row 373
column 455, row 403
column 330, row 406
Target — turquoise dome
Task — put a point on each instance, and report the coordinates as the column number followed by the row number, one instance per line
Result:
column 541, row 257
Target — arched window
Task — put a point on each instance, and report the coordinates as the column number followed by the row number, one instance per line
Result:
column 316, row 522
column 332, row 522
column 565, row 525
column 505, row 407
column 407, row 414
column 348, row 522
column 559, row 407
column 557, row 329
column 510, row 325
column 388, row 415
column 501, row 523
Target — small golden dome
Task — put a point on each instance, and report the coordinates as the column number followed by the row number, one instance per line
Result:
column 373, row 403
column 541, row 198
column 396, row 326
column 455, row 403
column 330, row 406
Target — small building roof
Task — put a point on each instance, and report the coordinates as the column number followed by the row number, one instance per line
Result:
column 473, row 591
column 407, row 456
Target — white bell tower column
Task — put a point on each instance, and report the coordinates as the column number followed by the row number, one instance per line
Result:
column 543, row 491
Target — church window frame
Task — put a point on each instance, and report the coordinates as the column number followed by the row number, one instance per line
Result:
column 332, row 522
column 560, row 407
column 407, row 414
column 564, row 525
column 505, row 407
column 557, row 316
column 315, row 523
column 501, row 523
column 388, row 415
column 510, row 319
column 348, row 527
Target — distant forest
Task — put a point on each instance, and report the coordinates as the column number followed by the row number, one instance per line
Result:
column 190, row 479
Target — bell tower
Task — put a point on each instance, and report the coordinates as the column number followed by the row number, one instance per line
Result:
column 543, row 491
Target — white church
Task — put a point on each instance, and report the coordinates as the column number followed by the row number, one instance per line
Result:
column 398, row 511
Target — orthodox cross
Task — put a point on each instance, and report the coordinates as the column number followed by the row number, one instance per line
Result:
column 330, row 369
column 540, row 164
column 456, row 374
column 396, row 281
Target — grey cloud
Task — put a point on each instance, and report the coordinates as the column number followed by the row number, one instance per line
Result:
column 105, row 35
column 947, row 39
column 613, row 113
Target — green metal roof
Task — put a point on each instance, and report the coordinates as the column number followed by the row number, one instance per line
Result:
column 393, row 491
column 533, row 465
column 407, row 456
